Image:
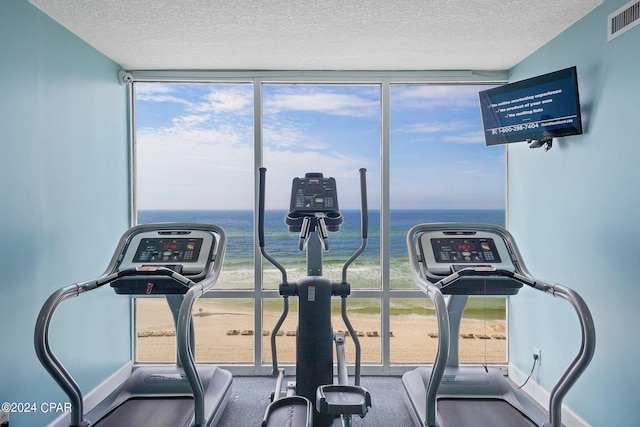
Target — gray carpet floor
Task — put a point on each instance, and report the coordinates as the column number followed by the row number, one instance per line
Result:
column 250, row 398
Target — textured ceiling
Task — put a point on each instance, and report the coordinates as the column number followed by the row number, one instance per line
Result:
column 317, row 35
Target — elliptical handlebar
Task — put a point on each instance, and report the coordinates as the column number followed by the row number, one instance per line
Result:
column 363, row 207
column 261, row 241
column 261, row 197
column 364, row 219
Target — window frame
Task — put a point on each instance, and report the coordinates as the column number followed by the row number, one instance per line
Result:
column 258, row 78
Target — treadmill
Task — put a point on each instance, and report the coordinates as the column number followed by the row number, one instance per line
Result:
column 180, row 261
column 458, row 260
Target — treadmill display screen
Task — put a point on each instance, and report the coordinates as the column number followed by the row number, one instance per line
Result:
column 464, row 250
column 168, row 250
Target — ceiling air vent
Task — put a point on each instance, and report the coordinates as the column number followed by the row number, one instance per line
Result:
column 624, row 19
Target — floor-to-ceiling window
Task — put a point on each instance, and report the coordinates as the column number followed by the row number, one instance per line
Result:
column 198, row 146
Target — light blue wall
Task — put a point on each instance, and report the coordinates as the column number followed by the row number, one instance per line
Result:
column 575, row 212
column 65, row 202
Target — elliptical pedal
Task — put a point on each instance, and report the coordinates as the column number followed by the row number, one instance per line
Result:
column 340, row 399
column 289, row 411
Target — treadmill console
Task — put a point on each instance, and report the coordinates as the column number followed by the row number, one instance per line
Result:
column 447, row 251
column 314, row 196
column 465, row 251
column 191, row 249
column 168, row 250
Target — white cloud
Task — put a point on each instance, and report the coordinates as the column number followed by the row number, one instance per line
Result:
column 433, row 127
column 225, row 99
column 436, row 96
column 281, row 135
column 216, row 99
column 476, row 137
column 153, row 92
column 194, row 169
column 321, row 101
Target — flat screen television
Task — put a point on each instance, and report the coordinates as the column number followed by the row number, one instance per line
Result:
column 536, row 109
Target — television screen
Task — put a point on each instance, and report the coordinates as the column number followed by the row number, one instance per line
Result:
column 536, row 109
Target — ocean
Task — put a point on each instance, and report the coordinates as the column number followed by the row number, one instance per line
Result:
column 283, row 245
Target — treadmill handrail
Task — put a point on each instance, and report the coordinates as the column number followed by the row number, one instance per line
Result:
column 50, row 362
column 587, row 348
column 442, row 316
column 184, row 323
column 582, row 359
column 41, row 333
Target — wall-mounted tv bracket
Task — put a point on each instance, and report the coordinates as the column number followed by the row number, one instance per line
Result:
column 537, row 143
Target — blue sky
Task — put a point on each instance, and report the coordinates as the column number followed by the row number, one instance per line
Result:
column 194, row 145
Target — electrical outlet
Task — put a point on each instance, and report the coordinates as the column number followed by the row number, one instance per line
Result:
column 537, row 356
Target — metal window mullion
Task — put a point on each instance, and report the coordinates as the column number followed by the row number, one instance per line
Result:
column 385, row 225
column 133, row 209
column 257, row 256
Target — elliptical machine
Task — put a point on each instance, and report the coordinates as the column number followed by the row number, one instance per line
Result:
column 313, row 213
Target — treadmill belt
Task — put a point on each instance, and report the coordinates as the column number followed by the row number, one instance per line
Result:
column 156, row 412
column 481, row 413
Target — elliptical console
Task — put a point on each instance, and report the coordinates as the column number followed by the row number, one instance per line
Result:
column 314, row 195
